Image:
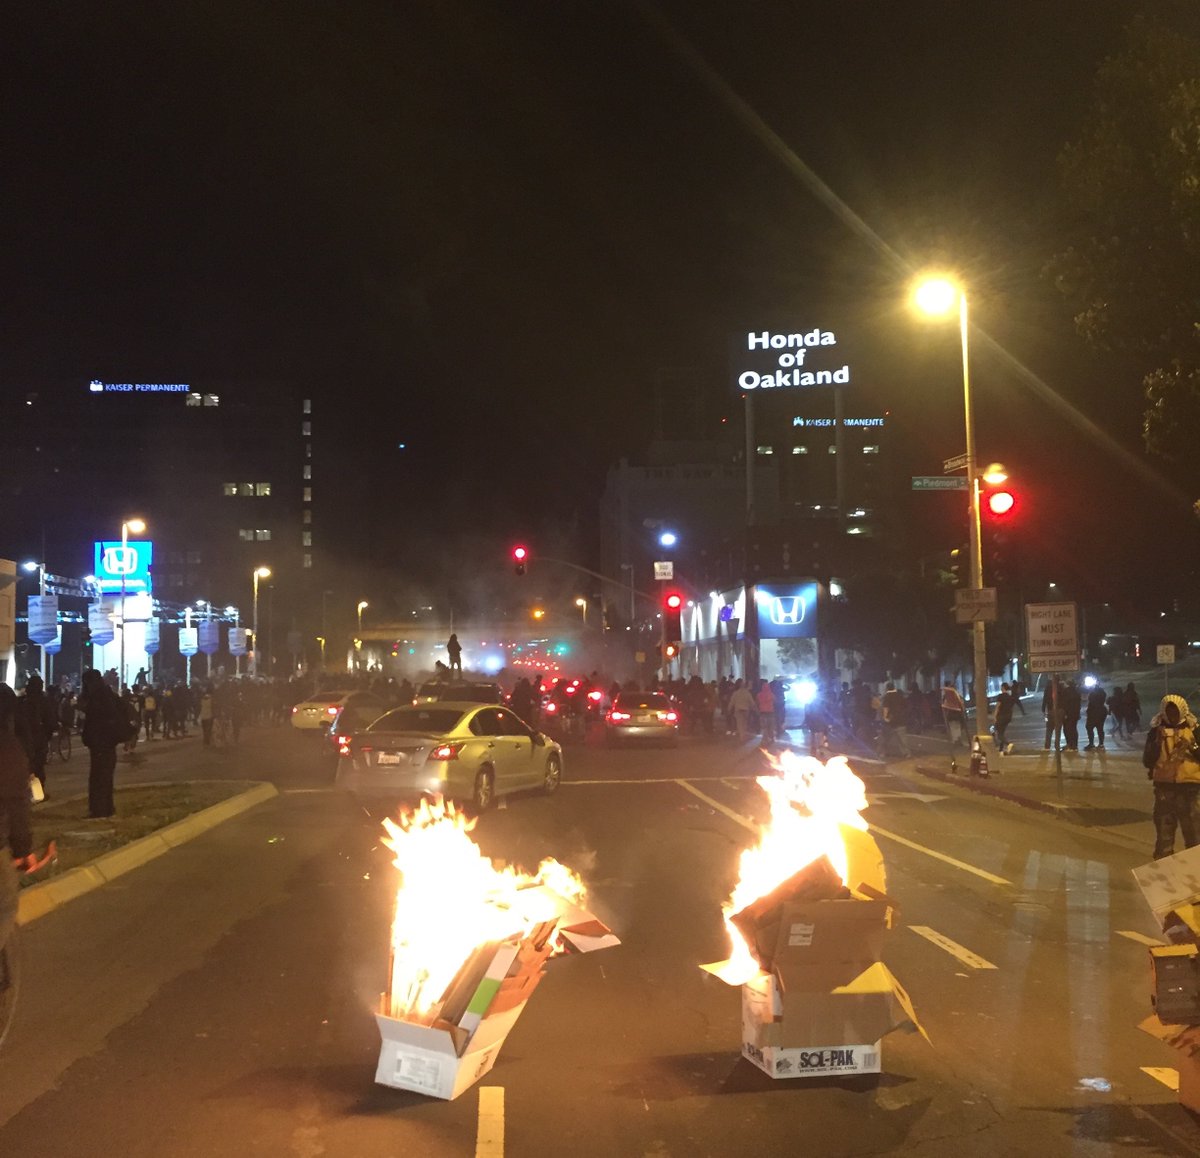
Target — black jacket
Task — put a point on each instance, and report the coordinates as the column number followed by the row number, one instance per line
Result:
column 14, row 796
column 105, row 725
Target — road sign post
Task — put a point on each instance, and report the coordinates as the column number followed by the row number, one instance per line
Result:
column 1052, row 635
column 1166, row 656
column 971, row 606
column 939, row 482
column 958, row 462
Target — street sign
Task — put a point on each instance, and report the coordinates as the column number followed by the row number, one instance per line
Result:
column 1166, row 653
column 971, row 606
column 958, row 462
column 664, row 571
column 937, row 482
column 1053, row 636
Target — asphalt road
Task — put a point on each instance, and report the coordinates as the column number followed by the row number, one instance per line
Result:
column 218, row 1000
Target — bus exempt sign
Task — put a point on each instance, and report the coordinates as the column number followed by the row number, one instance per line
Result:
column 1053, row 638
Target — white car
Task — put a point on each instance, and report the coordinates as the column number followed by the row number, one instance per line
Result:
column 317, row 712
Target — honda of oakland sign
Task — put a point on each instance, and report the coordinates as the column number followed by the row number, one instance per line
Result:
column 124, row 565
column 787, row 611
column 765, row 360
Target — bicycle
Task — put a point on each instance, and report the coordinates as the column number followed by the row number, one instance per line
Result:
column 60, row 743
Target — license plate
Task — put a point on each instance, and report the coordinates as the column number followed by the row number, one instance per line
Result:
column 644, row 719
column 389, row 758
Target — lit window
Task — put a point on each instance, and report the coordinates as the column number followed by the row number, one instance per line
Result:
column 766, row 450
column 229, row 489
column 194, row 399
column 306, row 539
column 262, row 489
column 212, row 400
column 308, row 450
column 246, row 490
column 870, row 450
column 308, row 494
column 307, row 471
column 308, row 406
column 306, row 428
column 246, row 534
column 307, row 561
column 307, row 517
column 261, row 535
column 799, row 449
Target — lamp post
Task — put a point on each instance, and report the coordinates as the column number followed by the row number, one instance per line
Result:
column 259, row 573
column 40, row 568
column 362, row 603
column 938, row 296
column 138, row 527
column 581, row 603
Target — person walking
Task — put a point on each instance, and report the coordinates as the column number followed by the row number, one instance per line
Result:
column 35, row 726
column 1005, row 704
column 1116, row 709
column 16, row 839
column 150, row 712
column 454, row 651
column 1071, row 703
column 1052, row 709
column 207, row 715
column 1133, row 709
column 779, row 690
column 741, row 704
column 894, row 709
column 1097, row 713
column 1173, row 764
column 954, row 713
column 104, row 727
column 765, row 702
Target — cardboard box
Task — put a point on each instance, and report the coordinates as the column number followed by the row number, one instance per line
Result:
column 482, row 1003
column 1185, row 1039
column 1172, row 886
column 1176, row 975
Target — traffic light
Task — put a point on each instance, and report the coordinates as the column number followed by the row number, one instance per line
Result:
column 672, row 614
column 1001, row 503
column 519, row 555
column 958, row 566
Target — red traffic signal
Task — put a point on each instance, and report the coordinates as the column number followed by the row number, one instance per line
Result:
column 672, row 615
column 519, row 555
column 674, row 601
column 1001, row 503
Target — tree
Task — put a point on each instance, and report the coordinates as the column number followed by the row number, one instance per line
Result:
column 1131, row 181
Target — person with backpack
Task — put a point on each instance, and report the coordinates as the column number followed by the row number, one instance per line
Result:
column 104, row 727
column 1173, row 764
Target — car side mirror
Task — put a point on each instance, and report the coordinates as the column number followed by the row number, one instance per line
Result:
column 538, row 739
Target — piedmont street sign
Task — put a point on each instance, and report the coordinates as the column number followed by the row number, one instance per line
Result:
column 937, row 482
column 971, row 606
column 1053, row 637
column 958, row 462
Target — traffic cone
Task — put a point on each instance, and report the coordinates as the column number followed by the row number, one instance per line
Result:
column 979, row 764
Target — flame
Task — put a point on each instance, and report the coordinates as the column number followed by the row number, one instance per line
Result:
column 452, row 899
column 808, row 803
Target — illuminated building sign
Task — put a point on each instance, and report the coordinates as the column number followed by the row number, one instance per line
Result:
column 787, row 611
column 767, row 361
column 95, row 386
column 128, row 561
column 832, row 422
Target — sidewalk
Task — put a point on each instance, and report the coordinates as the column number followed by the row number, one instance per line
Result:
column 1100, row 790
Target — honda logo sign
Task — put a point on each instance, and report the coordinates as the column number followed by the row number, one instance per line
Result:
column 119, row 560
column 124, row 565
column 787, row 611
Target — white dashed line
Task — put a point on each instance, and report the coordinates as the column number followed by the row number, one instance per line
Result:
column 971, row 960
column 489, row 1138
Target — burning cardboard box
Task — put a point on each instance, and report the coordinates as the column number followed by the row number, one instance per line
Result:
column 469, row 943
column 816, row 999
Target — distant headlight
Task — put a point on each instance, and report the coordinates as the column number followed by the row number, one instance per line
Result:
column 806, row 691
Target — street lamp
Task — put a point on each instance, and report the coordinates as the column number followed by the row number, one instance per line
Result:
column 668, row 539
column 937, row 296
column 358, row 642
column 138, row 527
column 259, row 573
column 581, row 603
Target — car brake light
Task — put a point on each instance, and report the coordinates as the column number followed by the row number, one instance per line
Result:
column 595, row 696
column 551, row 707
column 332, row 711
column 672, row 717
column 295, row 710
column 445, row 752
column 570, row 689
column 615, row 715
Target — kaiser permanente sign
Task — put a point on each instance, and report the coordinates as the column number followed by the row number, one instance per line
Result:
column 768, row 361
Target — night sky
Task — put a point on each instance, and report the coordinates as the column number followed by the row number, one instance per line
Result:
column 485, row 229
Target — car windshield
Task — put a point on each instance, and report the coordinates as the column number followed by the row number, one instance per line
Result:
column 651, row 700
column 431, row 719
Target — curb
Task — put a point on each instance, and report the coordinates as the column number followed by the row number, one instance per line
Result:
column 983, row 788
column 40, row 899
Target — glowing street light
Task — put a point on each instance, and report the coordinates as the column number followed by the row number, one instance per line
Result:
column 581, row 603
column 937, row 296
column 668, row 539
column 259, row 573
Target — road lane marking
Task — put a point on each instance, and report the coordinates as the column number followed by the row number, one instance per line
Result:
column 968, row 868
column 1164, row 1074
column 736, row 817
column 971, row 960
column 746, row 822
column 489, row 1138
column 1140, row 938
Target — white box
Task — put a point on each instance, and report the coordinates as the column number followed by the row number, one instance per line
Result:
column 422, row 1058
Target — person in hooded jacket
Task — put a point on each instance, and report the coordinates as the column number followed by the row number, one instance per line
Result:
column 1173, row 763
column 104, row 727
column 16, row 840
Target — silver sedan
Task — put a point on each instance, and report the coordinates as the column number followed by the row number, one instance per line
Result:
column 463, row 751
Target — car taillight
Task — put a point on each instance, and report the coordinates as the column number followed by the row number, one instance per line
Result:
column 671, row 717
column 343, row 743
column 615, row 715
column 551, row 707
column 445, row 752
column 595, row 697
column 332, row 711
column 295, row 710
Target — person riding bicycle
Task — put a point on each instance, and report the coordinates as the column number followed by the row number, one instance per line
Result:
column 16, row 839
